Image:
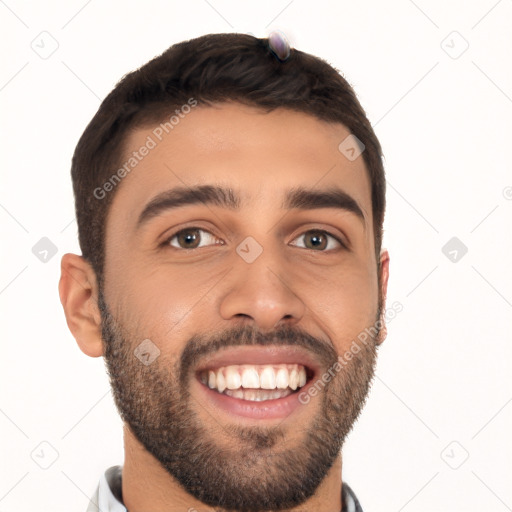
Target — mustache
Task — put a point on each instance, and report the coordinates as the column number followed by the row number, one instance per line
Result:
column 202, row 345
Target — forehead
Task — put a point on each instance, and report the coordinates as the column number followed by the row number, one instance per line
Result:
column 259, row 155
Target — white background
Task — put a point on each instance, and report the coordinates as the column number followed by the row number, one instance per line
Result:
column 445, row 127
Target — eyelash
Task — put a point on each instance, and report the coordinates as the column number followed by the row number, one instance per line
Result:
column 166, row 242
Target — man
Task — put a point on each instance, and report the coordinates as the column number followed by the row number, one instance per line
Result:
column 230, row 199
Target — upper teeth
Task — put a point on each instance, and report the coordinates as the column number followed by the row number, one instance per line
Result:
column 280, row 376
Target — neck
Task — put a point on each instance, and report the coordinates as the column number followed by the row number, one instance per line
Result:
column 148, row 487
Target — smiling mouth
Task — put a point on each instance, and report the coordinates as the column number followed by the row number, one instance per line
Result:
column 255, row 382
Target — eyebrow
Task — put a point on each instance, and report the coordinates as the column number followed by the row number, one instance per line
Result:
column 295, row 198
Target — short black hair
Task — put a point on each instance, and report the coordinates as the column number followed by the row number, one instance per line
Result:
column 211, row 69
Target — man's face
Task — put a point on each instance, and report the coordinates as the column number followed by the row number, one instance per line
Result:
column 250, row 293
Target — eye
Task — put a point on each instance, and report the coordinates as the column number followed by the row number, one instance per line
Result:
column 319, row 240
column 190, row 238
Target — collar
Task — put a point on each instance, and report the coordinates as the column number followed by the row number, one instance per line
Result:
column 109, row 496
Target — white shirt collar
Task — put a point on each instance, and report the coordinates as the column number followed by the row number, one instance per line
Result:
column 104, row 499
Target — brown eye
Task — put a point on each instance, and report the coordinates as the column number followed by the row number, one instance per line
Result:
column 190, row 238
column 319, row 240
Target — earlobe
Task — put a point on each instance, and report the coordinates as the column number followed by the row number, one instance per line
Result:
column 384, row 276
column 78, row 291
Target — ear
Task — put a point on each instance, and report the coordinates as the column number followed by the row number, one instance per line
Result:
column 384, row 275
column 78, row 291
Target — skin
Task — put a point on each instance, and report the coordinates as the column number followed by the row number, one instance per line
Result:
column 170, row 295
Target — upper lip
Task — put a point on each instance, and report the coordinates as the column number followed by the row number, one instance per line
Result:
column 262, row 355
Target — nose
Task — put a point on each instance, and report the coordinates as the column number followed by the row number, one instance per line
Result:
column 262, row 292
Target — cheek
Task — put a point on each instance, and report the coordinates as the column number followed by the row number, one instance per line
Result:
column 348, row 297
column 342, row 300
column 163, row 301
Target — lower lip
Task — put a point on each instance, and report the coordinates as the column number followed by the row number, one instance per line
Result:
column 266, row 409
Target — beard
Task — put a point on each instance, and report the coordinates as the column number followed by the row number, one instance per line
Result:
column 255, row 471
